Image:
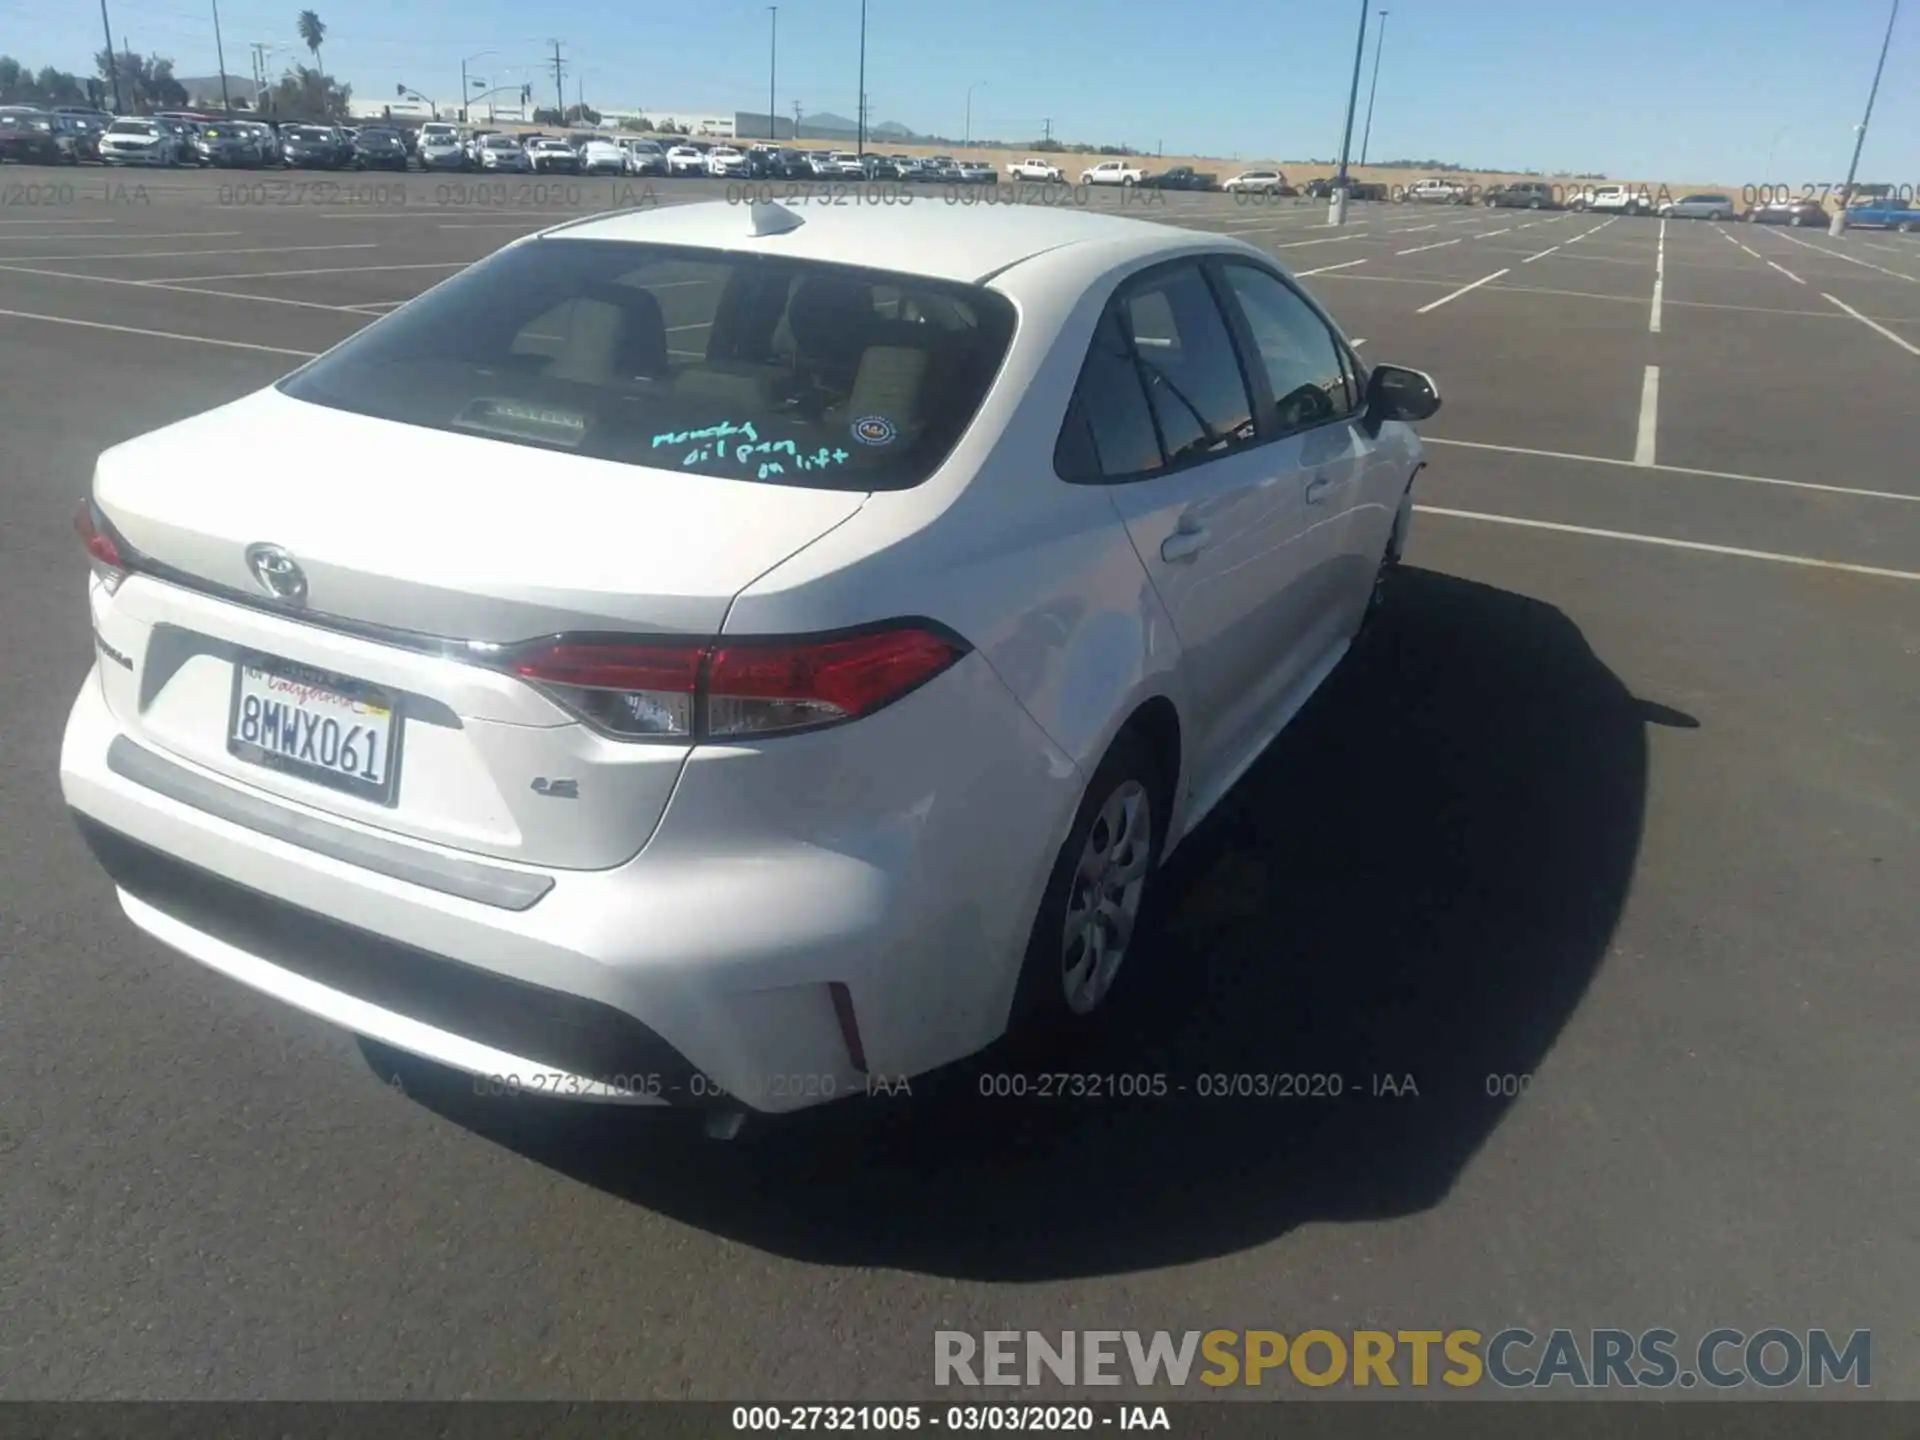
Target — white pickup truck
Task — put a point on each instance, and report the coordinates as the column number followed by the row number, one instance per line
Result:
column 1436, row 192
column 1032, row 169
column 1113, row 172
column 1612, row 200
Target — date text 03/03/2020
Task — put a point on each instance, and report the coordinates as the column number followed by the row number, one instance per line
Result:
column 783, row 1419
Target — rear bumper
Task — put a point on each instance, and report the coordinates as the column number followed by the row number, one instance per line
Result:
column 709, row 970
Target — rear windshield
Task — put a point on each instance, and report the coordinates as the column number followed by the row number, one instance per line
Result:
column 740, row 367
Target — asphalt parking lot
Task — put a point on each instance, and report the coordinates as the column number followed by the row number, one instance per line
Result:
column 1625, row 804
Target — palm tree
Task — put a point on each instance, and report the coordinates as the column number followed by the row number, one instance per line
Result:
column 313, row 30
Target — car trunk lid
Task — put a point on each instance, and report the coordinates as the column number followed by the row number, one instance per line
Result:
column 421, row 551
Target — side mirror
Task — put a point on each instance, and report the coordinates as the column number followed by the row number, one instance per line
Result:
column 1396, row 393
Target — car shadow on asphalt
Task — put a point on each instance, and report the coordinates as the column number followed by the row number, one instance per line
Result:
column 1410, row 892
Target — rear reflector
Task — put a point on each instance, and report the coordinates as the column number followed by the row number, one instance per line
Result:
column 739, row 688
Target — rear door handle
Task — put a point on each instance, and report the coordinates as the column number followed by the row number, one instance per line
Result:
column 1317, row 491
column 1185, row 544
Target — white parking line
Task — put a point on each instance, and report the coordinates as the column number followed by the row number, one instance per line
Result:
column 1323, row 240
column 1649, row 416
column 1786, row 272
column 59, row 222
column 1659, row 279
column 170, row 235
column 166, row 285
column 1850, row 259
column 1444, row 299
column 180, row 254
column 1851, row 490
column 1906, row 345
column 1325, row 269
column 1542, row 255
column 1662, row 540
column 1489, row 234
column 1436, row 245
column 331, row 270
column 1748, row 248
column 1358, row 343
column 1411, row 229
column 157, row 334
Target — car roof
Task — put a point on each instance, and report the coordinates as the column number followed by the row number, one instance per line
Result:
column 965, row 243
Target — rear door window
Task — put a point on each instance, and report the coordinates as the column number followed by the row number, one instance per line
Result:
column 734, row 366
column 1186, row 358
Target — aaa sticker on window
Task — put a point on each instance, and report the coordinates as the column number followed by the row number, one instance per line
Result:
column 875, row 430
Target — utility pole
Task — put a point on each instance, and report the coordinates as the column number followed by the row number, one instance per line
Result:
column 113, row 60
column 796, row 120
column 1846, row 194
column 1379, row 44
column 1046, row 127
column 559, row 90
column 773, row 64
column 860, row 143
column 1337, row 214
column 220, row 54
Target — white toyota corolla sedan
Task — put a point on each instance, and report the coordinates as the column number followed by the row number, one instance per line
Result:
column 721, row 655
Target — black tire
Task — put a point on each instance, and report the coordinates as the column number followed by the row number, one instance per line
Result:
column 1533, row 205
column 1041, row 1011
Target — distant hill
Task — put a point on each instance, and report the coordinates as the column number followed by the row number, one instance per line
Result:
column 827, row 123
column 205, row 89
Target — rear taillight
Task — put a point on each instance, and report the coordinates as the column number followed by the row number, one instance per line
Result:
column 735, row 689
column 102, row 548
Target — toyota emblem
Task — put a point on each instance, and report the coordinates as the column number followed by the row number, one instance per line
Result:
column 278, row 572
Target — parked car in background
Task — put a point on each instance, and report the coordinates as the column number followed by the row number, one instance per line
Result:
column 551, row 156
column 32, row 136
column 183, row 136
column 1789, row 210
column 228, row 146
column 78, row 134
column 443, row 150
column 977, row 172
column 1521, row 195
column 375, row 148
column 1612, row 200
column 724, row 162
column 1435, row 192
column 1113, row 172
column 685, row 160
column 644, row 157
column 131, row 141
column 504, row 154
column 1034, row 168
column 846, row 749
column 1182, row 177
column 311, row 147
column 1259, row 182
column 602, row 157
column 1884, row 214
column 1704, row 206
column 880, row 167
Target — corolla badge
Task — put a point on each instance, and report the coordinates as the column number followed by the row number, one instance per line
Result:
column 278, row 572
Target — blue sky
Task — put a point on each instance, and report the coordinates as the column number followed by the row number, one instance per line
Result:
column 1679, row 89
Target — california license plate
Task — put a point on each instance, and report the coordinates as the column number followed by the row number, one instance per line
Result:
column 325, row 728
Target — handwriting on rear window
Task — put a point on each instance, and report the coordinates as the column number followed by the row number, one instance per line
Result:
column 742, row 444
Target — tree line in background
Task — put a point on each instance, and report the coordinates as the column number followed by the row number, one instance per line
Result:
column 145, row 83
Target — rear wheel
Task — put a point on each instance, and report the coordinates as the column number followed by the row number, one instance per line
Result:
column 1089, row 918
